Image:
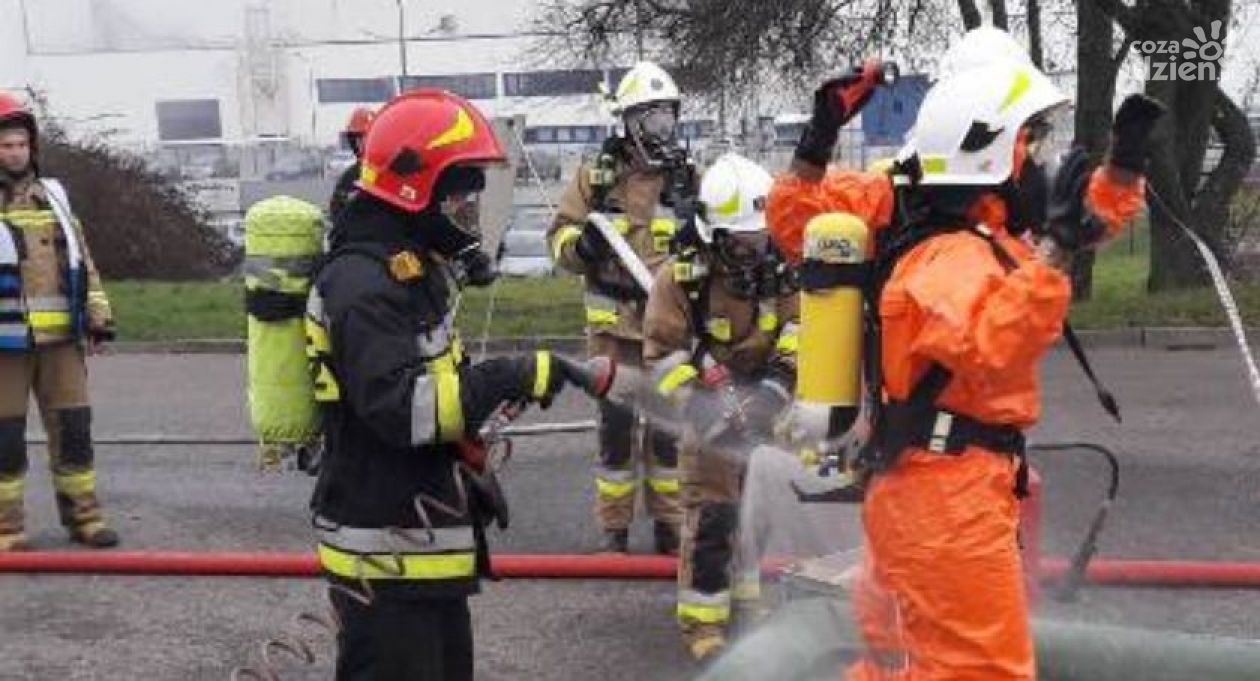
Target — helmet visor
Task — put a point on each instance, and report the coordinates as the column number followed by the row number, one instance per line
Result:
column 654, row 126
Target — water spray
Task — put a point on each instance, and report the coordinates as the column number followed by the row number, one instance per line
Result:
column 1222, row 292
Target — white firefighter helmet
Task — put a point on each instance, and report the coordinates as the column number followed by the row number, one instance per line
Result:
column 979, row 47
column 733, row 193
column 969, row 123
column 643, row 84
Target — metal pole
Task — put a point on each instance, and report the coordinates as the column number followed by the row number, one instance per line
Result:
column 402, row 36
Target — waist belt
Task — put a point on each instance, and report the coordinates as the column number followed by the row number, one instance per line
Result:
column 944, row 432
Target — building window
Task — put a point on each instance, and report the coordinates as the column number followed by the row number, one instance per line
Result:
column 694, row 130
column 540, row 135
column 615, row 76
column 469, row 85
column 354, row 90
column 566, row 134
column 189, row 119
column 551, row 83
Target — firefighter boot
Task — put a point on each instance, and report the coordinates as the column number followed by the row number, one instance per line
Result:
column 615, row 541
column 12, row 516
column 666, row 538
column 705, row 641
column 81, row 511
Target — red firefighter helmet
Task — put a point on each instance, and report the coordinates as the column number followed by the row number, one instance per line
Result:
column 360, row 120
column 415, row 137
column 12, row 110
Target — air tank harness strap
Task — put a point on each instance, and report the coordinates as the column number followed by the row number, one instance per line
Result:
column 817, row 275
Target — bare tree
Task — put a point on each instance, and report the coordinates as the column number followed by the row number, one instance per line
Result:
column 1177, row 182
column 732, row 46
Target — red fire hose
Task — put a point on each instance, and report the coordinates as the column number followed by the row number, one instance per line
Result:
column 1133, row 573
column 233, row 564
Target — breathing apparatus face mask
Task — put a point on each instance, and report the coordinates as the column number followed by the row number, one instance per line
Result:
column 745, row 260
column 453, row 215
column 353, row 142
column 653, row 131
column 1027, row 192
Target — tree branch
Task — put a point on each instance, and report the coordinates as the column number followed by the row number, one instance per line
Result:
column 1119, row 12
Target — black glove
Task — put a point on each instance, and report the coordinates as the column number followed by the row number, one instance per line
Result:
column 767, row 401
column 478, row 268
column 1130, row 130
column 1069, row 222
column 591, row 246
column 836, row 102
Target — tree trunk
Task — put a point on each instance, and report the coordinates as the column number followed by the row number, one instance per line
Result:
column 1035, row 49
column 970, row 14
column 998, row 9
column 1179, row 146
column 1095, row 91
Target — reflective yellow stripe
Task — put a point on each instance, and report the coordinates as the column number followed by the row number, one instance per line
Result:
column 11, row 490
column 542, row 373
column 664, row 485
column 704, row 614
column 622, row 224
column 601, row 317
column 389, row 566
column 29, row 219
column 662, row 233
column 1018, row 89
column 564, row 236
column 676, row 378
column 788, row 343
column 768, row 322
column 316, row 337
column 612, row 489
column 75, row 484
column 450, row 412
column 719, row 328
column 47, row 321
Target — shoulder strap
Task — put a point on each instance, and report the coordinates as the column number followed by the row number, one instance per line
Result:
column 1105, row 397
column 59, row 201
column 697, row 293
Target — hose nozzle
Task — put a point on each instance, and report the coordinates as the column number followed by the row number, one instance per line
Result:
column 594, row 376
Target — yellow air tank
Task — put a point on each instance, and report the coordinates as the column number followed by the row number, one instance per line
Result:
column 283, row 244
column 829, row 369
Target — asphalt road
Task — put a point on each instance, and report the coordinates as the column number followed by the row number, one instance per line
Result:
column 1190, row 447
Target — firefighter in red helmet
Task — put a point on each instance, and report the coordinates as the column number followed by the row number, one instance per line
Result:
column 351, row 138
column 399, row 517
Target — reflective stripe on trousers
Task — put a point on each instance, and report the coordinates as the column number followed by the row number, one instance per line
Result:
column 614, row 483
column 702, row 608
